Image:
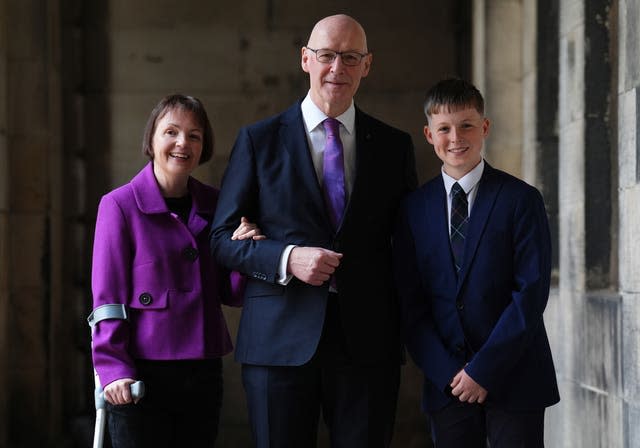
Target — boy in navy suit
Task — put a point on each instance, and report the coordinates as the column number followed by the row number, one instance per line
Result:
column 472, row 259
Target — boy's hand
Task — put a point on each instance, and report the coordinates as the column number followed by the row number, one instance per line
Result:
column 466, row 389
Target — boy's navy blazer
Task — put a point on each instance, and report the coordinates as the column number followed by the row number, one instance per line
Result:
column 271, row 180
column 490, row 315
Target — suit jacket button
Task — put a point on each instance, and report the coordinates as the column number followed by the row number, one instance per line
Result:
column 460, row 305
column 459, row 348
column 145, row 298
column 190, row 253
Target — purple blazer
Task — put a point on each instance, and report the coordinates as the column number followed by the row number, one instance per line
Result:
column 145, row 257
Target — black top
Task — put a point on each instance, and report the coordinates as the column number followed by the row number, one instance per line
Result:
column 180, row 206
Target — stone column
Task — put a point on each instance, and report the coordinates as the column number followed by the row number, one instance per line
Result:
column 529, row 92
column 4, row 227
column 29, row 223
column 629, row 199
column 59, row 319
column 515, row 65
column 588, row 320
column 498, row 72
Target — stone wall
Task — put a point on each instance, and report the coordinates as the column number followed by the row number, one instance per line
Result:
column 587, row 318
column 580, row 99
column 628, row 94
column 30, row 259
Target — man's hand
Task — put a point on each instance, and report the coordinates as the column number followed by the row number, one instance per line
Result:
column 466, row 389
column 313, row 265
column 119, row 392
column 247, row 230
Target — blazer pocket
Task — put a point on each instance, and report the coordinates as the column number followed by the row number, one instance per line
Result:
column 259, row 289
column 150, row 287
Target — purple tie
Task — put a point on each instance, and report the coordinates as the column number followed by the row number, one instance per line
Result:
column 333, row 171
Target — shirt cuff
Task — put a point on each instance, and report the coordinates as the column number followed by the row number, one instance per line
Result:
column 283, row 277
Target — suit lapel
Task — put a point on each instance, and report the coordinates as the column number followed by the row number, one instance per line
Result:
column 294, row 138
column 430, row 229
column 365, row 154
column 488, row 189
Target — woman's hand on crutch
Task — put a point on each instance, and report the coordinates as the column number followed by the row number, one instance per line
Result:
column 119, row 392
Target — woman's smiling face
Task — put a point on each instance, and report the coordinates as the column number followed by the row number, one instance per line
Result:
column 177, row 144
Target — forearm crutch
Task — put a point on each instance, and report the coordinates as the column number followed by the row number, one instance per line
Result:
column 104, row 312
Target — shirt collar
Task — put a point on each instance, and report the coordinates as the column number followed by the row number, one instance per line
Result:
column 467, row 182
column 313, row 116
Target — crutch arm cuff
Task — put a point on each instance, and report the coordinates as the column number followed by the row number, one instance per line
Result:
column 108, row 311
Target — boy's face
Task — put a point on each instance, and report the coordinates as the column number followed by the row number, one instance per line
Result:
column 457, row 137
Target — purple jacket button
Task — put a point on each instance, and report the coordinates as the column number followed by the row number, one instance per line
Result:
column 145, row 298
column 190, row 253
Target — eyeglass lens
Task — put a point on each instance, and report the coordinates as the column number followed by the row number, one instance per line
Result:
column 348, row 58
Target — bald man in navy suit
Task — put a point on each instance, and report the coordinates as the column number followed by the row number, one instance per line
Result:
column 319, row 332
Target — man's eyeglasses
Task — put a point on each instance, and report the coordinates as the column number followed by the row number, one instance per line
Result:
column 350, row 58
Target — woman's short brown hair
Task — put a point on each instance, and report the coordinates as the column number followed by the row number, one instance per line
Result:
column 178, row 101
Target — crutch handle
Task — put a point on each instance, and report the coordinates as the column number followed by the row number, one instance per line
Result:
column 137, row 392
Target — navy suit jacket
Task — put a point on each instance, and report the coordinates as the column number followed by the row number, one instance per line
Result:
column 490, row 315
column 271, row 180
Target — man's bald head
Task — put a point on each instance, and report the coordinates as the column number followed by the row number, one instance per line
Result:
column 338, row 24
column 333, row 83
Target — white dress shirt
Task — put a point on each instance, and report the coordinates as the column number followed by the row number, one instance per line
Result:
column 468, row 182
column 313, row 117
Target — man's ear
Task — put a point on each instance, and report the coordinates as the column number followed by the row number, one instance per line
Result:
column 304, row 59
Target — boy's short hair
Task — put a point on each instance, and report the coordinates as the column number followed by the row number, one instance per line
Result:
column 452, row 94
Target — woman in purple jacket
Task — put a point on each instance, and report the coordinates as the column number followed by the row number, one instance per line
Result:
column 151, row 253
